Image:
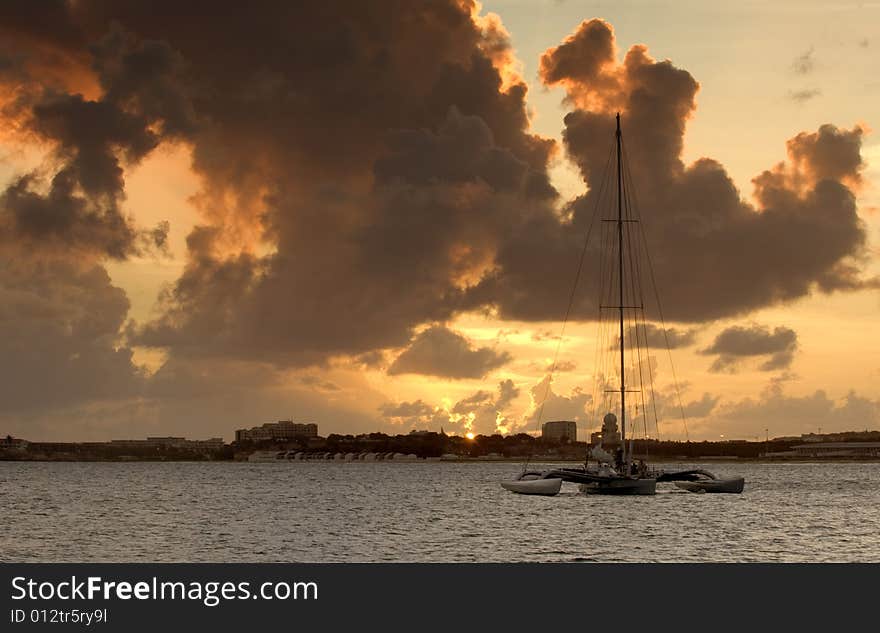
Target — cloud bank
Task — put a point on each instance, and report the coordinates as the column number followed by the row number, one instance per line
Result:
column 715, row 254
column 365, row 171
column 738, row 342
column 438, row 351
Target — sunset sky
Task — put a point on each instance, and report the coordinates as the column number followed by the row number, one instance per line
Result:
column 369, row 215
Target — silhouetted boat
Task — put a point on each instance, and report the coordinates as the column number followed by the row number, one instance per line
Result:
column 534, row 484
column 699, row 480
column 624, row 476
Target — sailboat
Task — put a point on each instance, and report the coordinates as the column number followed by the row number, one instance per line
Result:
column 618, row 473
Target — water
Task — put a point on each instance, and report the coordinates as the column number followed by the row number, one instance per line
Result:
column 441, row 512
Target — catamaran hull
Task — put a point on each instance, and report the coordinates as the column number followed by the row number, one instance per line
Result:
column 731, row 486
column 622, row 486
column 547, row 487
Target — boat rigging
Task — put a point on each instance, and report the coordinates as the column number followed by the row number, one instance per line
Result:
column 623, row 476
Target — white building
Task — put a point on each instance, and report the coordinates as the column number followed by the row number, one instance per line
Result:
column 177, row 443
column 837, row 449
column 282, row 430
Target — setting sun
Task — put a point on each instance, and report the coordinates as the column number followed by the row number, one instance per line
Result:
column 469, row 435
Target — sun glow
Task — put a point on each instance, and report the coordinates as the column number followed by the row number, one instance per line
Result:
column 470, row 435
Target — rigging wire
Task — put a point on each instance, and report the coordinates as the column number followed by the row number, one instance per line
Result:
column 633, row 213
column 637, row 298
column 570, row 304
column 601, row 359
column 660, row 313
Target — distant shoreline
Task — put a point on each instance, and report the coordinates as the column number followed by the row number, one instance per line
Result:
column 463, row 460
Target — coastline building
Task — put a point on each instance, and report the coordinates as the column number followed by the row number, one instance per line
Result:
column 559, row 430
column 177, row 443
column 13, row 444
column 837, row 449
column 281, row 430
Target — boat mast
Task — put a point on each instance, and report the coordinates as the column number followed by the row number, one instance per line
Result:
column 620, row 295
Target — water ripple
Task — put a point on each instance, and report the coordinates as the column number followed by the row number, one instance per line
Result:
column 442, row 512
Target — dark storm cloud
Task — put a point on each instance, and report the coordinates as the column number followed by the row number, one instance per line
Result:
column 369, row 168
column 371, row 149
column 463, row 150
column 737, row 342
column 62, row 216
column 713, row 253
column 80, row 206
column 439, row 351
column 585, row 58
column 62, row 319
column 48, row 21
column 147, row 78
column 658, row 337
column 39, row 39
column 88, row 133
column 416, row 170
column 830, row 154
column 671, row 336
column 61, row 341
column 59, row 334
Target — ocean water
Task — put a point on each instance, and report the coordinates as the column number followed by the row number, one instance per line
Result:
column 437, row 512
